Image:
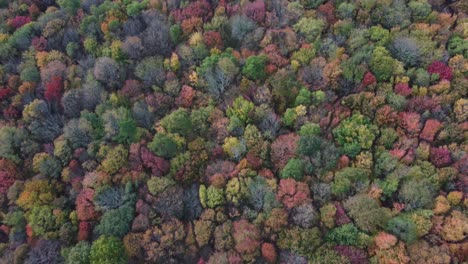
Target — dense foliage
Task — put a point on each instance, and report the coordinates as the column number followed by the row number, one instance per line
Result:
column 233, row 131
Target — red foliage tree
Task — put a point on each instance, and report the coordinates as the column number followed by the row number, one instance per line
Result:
column 213, row 39
column 84, row 205
column 444, row 71
column 430, row 129
column 269, row 252
column 54, row 89
column 403, row 89
column 158, row 165
column 283, row 149
column 409, row 121
column 255, row 10
column 440, row 157
column 292, row 193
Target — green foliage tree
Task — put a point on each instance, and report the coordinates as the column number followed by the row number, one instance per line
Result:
column 11, row 139
column 70, row 6
column 355, row 134
column 115, row 159
column 107, row 250
column 254, row 67
column 178, row 122
column 349, row 180
column 382, row 64
column 293, row 169
column 348, row 234
column 311, row 28
column 165, row 145
column 79, row 254
column 116, row 222
column 367, row 213
column 403, row 227
column 42, row 220
column 241, row 108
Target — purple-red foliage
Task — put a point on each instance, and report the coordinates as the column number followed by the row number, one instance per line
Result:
column 225, row 169
column 54, row 89
column 255, row 10
column 420, row 104
column 131, row 88
column 200, row 8
column 5, row 93
column 440, row 157
column 368, row 79
column 444, row 71
column 39, row 43
column 341, row 217
column 158, row 165
column 7, row 175
column 11, row 113
column 19, row 21
column 84, row 230
column 159, row 101
column 355, row 255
